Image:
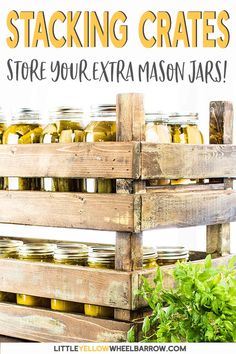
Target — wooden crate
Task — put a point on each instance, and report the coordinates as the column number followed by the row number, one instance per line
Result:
column 132, row 209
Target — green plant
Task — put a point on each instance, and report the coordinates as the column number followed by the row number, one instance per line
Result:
column 201, row 307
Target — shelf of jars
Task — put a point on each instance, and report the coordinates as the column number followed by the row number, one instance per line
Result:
column 157, row 185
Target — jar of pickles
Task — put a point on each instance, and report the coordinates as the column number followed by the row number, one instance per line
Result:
column 149, row 257
column 157, row 131
column 65, row 126
column 25, row 128
column 185, row 130
column 69, row 254
column 170, row 255
column 100, row 257
column 9, row 249
column 102, row 127
column 3, row 127
column 35, row 252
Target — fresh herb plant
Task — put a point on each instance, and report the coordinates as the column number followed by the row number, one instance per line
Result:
column 201, row 307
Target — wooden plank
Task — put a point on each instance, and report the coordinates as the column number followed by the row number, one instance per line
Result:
column 72, row 283
column 221, row 132
column 173, row 161
column 77, row 210
column 183, row 209
column 47, row 326
column 167, row 278
column 130, row 127
column 184, row 188
column 108, row 160
column 5, row 339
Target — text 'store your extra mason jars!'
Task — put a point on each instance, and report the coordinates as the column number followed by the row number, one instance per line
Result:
column 35, row 252
column 25, row 128
column 65, row 125
column 102, row 128
column 70, row 254
column 3, row 127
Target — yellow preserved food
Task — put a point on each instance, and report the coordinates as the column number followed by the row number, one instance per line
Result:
column 35, row 252
column 65, row 126
column 101, row 128
column 69, row 254
column 149, row 257
column 25, row 128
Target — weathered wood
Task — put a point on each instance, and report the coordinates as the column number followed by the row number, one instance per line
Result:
column 4, row 339
column 173, row 161
column 184, row 188
column 183, row 209
column 167, row 278
column 77, row 210
column 108, row 160
column 130, row 127
column 72, row 283
column 48, row 326
column 221, row 132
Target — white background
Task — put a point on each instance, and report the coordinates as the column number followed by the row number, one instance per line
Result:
column 166, row 97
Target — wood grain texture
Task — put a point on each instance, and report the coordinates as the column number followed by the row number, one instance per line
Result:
column 72, row 283
column 221, row 132
column 108, row 160
column 167, row 278
column 174, row 161
column 183, row 209
column 47, row 326
column 76, row 210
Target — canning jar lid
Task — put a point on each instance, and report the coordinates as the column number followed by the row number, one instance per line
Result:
column 9, row 246
column 149, row 253
column 172, row 253
column 3, row 119
column 26, row 115
column 71, row 251
column 101, row 254
column 37, row 249
column 67, row 113
column 103, row 112
column 183, row 118
column 156, row 117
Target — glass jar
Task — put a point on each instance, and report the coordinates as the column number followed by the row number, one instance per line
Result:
column 170, row 255
column 25, row 128
column 3, row 127
column 65, row 126
column 100, row 257
column 102, row 127
column 69, row 254
column 185, row 130
column 35, row 252
column 157, row 131
column 9, row 249
column 149, row 257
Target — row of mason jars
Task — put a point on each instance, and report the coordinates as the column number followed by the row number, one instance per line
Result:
column 68, row 125
column 101, row 257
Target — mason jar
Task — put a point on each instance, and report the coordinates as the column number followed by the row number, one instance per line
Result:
column 9, row 249
column 102, row 127
column 69, row 254
column 25, row 128
column 157, row 131
column 66, row 125
column 35, row 252
column 3, row 127
column 100, row 257
column 170, row 255
column 149, row 257
column 185, row 130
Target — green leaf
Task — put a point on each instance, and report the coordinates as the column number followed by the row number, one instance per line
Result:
column 232, row 262
column 131, row 335
column 208, row 262
column 146, row 325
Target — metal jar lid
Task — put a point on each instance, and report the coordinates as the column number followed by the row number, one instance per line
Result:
column 71, row 251
column 183, row 118
column 67, row 113
column 156, row 117
column 101, row 254
column 9, row 246
column 149, row 253
column 172, row 252
column 37, row 249
column 26, row 115
column 103, row 112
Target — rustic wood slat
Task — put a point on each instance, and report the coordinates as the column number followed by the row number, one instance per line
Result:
column 183, row 209
column 108, row 160
column 72, row 283
column 167, row 278
column 76, row 210
column 48, row 326
column 220, row 132
column 174, row 161
column 184, row 188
